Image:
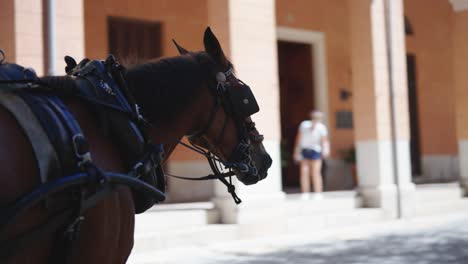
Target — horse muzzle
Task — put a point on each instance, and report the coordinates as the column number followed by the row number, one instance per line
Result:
column 253, row 172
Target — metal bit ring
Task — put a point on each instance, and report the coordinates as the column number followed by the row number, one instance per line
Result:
column 2, row 58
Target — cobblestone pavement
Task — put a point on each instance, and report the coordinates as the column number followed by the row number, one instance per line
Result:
column 415, row 242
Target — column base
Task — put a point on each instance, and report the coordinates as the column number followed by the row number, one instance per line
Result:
column 463, row 163
column 408, row 202
column 253, row 209
column 464, row 187
column 385, row 197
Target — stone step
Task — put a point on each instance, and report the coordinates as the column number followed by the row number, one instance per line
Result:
column 330, row 202
column 261, row 214
column 294, row 224
column 441, row 207
column 167, row 216
column 174, row 237
column 310, row 223
column 147, row 243
column 430, row 193
column 187, row 215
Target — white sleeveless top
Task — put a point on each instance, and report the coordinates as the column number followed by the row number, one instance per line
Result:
column 311, row 138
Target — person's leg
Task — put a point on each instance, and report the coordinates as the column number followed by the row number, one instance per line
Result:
column 305, row 172
column 316, row 168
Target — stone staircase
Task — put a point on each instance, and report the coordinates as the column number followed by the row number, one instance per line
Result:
column 335, row 210
column 168, row 216
column 442, row 198
column 194, row 224
column 178, row 225
column 171, row 225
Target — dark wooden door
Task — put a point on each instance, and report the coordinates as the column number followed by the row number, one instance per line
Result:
column 134, row 40
column 296, row 101
column 415, row 146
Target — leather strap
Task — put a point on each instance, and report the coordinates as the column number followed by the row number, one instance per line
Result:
column 44, row 152
column 13, row 246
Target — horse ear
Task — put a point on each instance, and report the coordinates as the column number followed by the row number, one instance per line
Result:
column 181, row 50
column 212, row 46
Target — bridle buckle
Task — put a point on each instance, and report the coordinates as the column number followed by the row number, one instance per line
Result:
column 81, row 149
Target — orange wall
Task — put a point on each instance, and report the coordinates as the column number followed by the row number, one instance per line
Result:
column 184, row 20
column 432, row 22
column 460, row 52
column 7, row 29
column 331, row 18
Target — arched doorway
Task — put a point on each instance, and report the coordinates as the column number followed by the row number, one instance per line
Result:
column 303, row 87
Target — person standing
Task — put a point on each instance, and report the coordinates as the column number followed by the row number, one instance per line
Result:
column 311, row 147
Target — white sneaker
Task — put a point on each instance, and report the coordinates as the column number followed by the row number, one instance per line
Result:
column 305, row 196
column 318, row 196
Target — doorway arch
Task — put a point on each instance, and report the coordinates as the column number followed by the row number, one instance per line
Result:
column 319, row 70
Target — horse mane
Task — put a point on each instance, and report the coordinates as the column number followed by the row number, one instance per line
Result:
column 165, row 87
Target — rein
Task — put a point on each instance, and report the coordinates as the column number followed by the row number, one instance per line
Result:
column 8, row 247
column 213, row 161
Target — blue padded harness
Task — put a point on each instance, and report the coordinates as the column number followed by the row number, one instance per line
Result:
column 67, row 170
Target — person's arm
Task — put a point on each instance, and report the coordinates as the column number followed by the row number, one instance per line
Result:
column 297, row 150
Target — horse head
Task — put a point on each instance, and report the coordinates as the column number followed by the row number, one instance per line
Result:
column 227, row 129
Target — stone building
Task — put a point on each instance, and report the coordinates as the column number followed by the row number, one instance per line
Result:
column 351, row 59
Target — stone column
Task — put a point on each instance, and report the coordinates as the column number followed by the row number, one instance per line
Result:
column 21, row 29
column 460, row 60
column 372, row 110
column 401, row 109
column 69, row 27
column 247, row 30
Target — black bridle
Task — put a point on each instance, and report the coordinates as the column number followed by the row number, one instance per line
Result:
column 240, row 159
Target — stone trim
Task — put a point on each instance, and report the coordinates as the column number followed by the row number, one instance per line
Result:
column 376, row 176
column 463, row 159
column 459, row 5
column 317, row 40
column 441, row 168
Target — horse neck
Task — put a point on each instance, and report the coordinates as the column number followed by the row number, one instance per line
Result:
column 168, row 135
column 172, row 95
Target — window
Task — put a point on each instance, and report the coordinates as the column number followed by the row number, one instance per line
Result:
column 133, row 39
column 408, row 27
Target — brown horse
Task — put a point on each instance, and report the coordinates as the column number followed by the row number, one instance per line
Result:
column 179, row 96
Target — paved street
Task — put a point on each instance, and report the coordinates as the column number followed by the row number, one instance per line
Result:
column 421, row 241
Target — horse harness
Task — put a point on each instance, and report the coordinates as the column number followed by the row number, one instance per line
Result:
column 120, row 118
column 62, row 150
